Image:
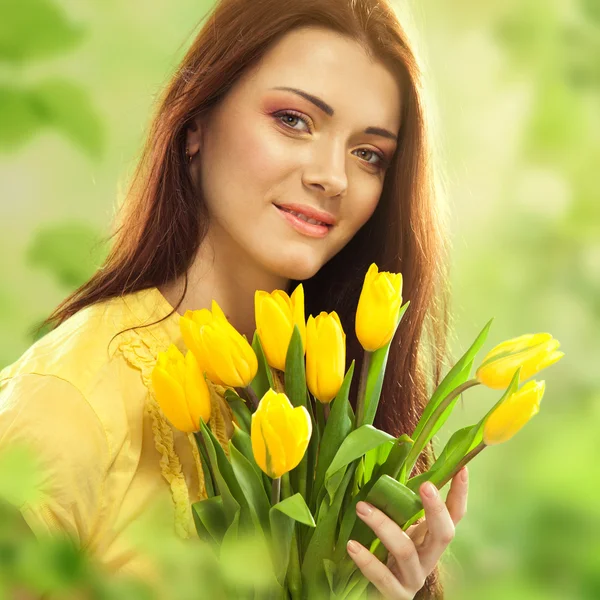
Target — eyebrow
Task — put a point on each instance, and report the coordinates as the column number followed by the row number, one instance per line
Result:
column 319, row 103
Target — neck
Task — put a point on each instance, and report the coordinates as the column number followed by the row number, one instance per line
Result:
column 225, row 273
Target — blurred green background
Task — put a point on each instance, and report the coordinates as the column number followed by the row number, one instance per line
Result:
column 516, row 86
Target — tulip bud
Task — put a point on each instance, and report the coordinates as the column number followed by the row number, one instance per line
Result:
column 279, row 434
column 222, row 352
column 378, row 308
column 325, row 356
column 181, row 390
column 276, row 314
column 512, row 414
column 532, row 352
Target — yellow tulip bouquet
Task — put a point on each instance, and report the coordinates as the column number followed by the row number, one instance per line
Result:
column 300, row 458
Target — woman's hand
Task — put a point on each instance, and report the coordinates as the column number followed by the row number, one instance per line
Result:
column 413, row 553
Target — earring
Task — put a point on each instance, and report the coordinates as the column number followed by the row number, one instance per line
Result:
column 188, row 155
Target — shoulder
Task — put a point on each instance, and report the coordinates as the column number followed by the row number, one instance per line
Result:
column 74, row 364
column 75, row 346
column 103, row 354
column 49, row 410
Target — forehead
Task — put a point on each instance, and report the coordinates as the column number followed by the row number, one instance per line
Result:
column 335, row 68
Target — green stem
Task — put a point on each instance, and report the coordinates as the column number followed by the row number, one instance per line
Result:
column 275, row 491
column 251, row 397
column 467, row 458
column 362, row 388
column 326, row 408
column 320, row 416
column 294, row 574
column 423, row 437
column 209, row 479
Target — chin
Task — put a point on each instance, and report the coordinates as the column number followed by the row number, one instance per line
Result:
column 299, row 268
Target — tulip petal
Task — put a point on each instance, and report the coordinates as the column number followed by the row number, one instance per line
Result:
column 298, row 312
column 258, row 442
column 312, row 355
column 275, row 330
column 513, row 413
column 197, row 393
column 171, row 399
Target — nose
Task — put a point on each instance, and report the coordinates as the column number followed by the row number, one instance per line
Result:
column 327, row 171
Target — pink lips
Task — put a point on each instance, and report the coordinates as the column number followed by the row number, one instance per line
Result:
column 309, row 229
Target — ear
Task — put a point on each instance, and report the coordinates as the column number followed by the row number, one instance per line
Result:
column 194, row 136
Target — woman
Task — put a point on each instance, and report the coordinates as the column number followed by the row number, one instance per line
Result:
column 289, row 146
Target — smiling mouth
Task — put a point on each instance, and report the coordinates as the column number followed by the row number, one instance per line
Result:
column 304, row 217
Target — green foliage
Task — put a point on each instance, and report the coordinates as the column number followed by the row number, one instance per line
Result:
column 70, row 252
column 32, row 30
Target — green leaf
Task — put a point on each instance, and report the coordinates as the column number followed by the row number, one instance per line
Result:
column 322, row 541
column 20, row 120
column 295, row 376
column 240, row 410
column 210, row 512
column 338, row 427
column 233, row 497
column 252, row 486
column 357, row 443
column 460, row 444
column 68, row 108
column 242, row 441
column 35, row 29
column 455, row 377
column 209, row 482
column 375, row 376
column 263, row 380
column 395, row 460
column 391, row 467
column 295, row 389
column 396, row 500
column 227, row 549
column 283, row 517
column 69, row 251
column 376, row 457
column 296, row 508
column 330, row 572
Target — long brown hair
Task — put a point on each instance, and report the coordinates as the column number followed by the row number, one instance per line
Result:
column 164, row 220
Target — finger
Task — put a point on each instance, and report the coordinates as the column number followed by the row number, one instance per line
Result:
column 456, row 500
column 439, row 524
column 398, row 544
column 377, row 573
column 417, row 532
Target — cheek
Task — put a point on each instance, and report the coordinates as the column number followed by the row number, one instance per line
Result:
column 252, row 155
column 362, row 208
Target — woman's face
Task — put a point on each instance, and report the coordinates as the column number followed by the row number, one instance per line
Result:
column 264, row 147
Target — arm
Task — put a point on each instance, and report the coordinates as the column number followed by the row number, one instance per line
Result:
column 55, row 421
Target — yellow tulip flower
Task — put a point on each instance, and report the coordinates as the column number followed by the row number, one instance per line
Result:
column 279, row 434
column 513, row 413
column 276, row 314
column 181, row 390
column 325, row 356
column 223, row 353
column 532, row 352
column 378, row 307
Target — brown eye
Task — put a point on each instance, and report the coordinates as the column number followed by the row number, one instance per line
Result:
column 381, row 163
column 289, row 118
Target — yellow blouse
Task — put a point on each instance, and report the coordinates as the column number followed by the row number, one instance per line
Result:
column 84, row 402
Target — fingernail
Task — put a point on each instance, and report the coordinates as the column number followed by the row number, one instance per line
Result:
column 352, row 547
column 430, row 490
column 364, row 508
column 464, row 475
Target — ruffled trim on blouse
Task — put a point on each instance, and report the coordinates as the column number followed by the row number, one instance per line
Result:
column 140, row 347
